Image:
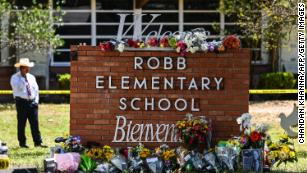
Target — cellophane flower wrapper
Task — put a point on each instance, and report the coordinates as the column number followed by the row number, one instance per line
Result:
column 106, row 168
column 155, row 164
column 211, row 161
column 181, row 154
column 225, row 157
column 135, row 165
column 68, row 162
column 197, row 161
column 119, row 162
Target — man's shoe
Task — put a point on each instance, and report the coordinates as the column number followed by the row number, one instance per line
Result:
column 23, row 146
column 41, row 145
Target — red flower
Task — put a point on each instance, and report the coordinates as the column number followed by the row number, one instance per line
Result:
column 152, row 42
column 191, row 141
column 164, row 42
column 131, row 43
column 232, row 42
column 255, row 136
column 108, row 46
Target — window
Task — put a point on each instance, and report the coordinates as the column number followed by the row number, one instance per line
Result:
column 161, row 5
column 76, row 28
column 201, row 4
column 114, row 4
column 74, row 4
column 93, row 23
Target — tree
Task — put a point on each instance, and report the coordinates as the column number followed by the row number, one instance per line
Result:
column 266, row 21
column 29, row 29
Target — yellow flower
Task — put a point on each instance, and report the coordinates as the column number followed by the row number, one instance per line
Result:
column 157, row 150
column 168, row 154
column 285, row 148
column 180, row 124
column 292, row 154
column 107, row 153
column 196, row 122
column 144, row 153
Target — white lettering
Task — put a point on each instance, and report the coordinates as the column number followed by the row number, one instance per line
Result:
column 99, row 81
column 155, row 83
column 138, row 61
column 181, row 63
column 125, row 80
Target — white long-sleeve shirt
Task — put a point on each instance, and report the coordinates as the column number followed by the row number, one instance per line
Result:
column 18, row 84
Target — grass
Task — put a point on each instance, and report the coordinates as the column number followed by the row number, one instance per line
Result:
column 54, row 122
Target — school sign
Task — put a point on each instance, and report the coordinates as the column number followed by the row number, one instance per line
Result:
column 138, row 95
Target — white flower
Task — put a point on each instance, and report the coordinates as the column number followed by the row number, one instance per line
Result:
column 204, row 47
column 120, row 47
column 244, row 121
column 188, row 42
column 178, row 49
column 239, row 120
column 193, row 49
column 201, row 35
column 189, row 116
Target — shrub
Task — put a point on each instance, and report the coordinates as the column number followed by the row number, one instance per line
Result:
column 278, row 80
column 64, row 81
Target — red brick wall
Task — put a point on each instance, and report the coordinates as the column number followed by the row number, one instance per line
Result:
column 93, row 111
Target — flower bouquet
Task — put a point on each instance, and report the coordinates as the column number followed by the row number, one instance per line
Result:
column 232, row 42
column 104, row 154
column 251, row 137
column 69, row 144
column 281, row 152
column 136, row 158
column 168, row 156
column 193, row 131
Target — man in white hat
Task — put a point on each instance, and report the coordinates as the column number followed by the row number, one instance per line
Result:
column 25, row 92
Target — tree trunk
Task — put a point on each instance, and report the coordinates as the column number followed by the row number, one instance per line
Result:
column 274, row 59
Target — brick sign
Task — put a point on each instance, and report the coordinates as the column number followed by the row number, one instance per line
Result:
column 125, row 98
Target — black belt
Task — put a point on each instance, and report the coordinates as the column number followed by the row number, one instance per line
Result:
column 22, row 99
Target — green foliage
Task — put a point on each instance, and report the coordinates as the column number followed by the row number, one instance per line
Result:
column 87, row 165
column 30, row 28
column 278, row 80
column 263, row 21
column 269, row 21
column 64, row 81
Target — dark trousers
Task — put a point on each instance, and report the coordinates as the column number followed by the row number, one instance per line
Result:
column 27, row 110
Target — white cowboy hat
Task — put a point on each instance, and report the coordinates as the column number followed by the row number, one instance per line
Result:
column 24, row 62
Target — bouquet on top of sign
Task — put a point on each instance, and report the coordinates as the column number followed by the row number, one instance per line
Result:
column 183, row 42
column 194, row 131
